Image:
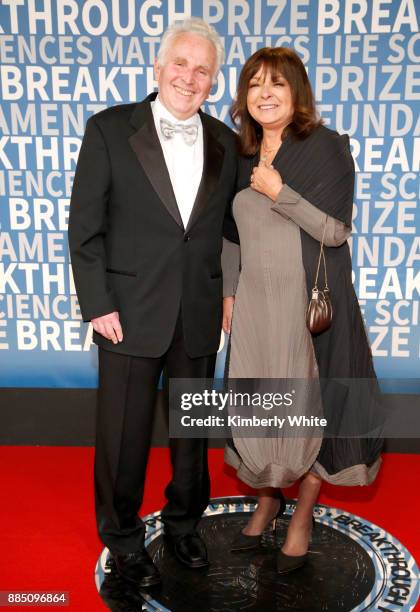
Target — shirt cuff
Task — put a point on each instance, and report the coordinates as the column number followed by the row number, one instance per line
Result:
column 287, row 196
column 230, row 284
column 231, row 267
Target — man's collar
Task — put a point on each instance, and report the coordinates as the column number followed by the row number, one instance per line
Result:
column 161, row 112
column 143, row 112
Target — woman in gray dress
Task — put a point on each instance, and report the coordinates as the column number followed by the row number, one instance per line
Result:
column 295, row 185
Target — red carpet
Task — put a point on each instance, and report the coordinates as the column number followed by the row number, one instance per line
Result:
column 48, row 536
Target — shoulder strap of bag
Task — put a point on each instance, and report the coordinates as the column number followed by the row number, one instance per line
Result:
column 322, row 255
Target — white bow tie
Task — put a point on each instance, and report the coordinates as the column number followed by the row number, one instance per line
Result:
column 189, row 132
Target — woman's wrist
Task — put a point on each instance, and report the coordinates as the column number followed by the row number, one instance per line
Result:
column 277, row 194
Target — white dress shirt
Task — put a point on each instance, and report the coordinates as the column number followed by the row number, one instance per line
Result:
column 184, row 161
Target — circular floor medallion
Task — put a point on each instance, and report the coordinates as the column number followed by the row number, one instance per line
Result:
column 353, row 565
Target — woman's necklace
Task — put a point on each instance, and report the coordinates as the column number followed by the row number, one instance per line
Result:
column 266, row 153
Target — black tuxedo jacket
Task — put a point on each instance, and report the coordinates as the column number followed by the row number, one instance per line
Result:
column 129, row 249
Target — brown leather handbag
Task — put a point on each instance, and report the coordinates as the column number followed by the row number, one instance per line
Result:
column 320, row 312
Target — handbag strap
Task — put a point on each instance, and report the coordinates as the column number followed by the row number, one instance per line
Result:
column 322, row 254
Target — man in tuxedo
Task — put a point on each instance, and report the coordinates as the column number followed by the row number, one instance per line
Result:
column 152, row 184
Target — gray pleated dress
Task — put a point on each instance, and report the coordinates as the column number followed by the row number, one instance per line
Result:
column 269, row 337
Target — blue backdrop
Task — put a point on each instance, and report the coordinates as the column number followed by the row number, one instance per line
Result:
column 63, row 60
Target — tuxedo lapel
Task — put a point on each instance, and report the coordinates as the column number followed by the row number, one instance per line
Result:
column 213, row 160
column 145, row 144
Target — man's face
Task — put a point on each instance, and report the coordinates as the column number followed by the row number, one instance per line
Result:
column 186, row 77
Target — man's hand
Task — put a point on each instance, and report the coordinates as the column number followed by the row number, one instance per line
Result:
column 228, row 303
column 109, row 327
column 266, row 180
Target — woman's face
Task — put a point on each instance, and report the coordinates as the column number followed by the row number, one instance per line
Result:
column 269, row 100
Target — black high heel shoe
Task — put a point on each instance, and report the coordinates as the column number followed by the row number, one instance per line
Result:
column 243, row 542
column 288, row 563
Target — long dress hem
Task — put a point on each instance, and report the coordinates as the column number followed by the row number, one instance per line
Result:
column 277, row 476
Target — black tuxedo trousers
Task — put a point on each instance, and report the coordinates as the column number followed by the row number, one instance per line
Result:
column 126, row 407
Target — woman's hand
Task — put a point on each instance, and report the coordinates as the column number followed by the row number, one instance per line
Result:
column 266, row 180
column 228, row 303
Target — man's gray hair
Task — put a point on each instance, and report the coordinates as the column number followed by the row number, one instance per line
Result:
column 193, row 25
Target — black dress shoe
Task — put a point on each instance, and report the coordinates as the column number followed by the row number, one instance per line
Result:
column 137, row 568
column 190, row 550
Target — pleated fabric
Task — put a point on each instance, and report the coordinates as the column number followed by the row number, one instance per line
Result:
column 269, row 339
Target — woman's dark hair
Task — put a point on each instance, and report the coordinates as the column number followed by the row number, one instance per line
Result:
column 279, row 61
